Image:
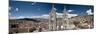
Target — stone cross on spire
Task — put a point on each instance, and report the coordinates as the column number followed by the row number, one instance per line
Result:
column 64, row 8
column 65, row 11
column 53, row 8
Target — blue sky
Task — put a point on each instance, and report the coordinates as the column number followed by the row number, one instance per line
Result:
column 21, row 8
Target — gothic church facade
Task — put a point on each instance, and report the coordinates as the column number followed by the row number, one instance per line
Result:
column 58, row 23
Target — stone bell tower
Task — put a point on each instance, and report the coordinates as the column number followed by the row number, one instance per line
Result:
column 65, row 20
column 52, row 19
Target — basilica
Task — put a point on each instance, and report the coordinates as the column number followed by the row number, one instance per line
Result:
column 62, row 23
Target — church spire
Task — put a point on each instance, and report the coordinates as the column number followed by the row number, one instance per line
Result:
column 65, row 12
column 52, row 6
column 65, row 18
column 64, row 8
column 52, row 18
column 53, row 10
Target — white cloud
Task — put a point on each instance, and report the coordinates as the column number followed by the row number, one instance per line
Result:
column 72, row 15
column 17, row 9
column 12, row 17
column 9, row 8
column 33, row 3
column 21, row 17
column 45, row 15
column 28, row 17
column 70, row 10
column 89, row 12
column 69, row 15
column 59, row 13
column 36, row 16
